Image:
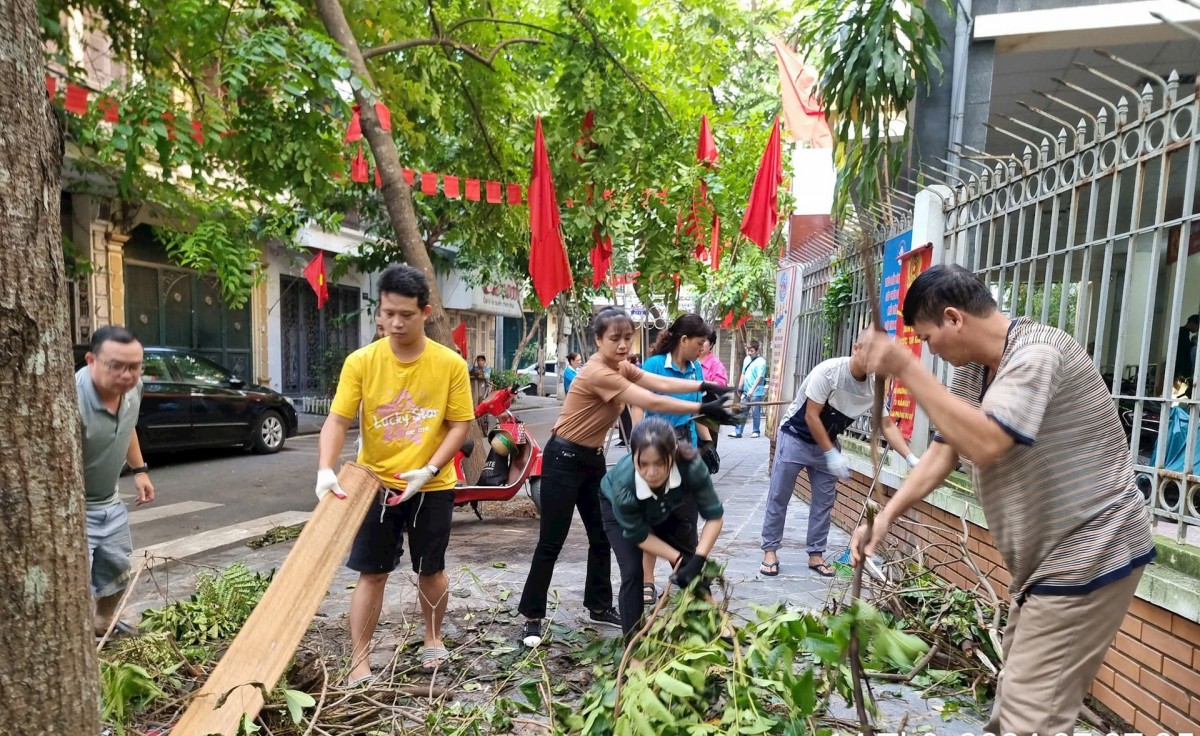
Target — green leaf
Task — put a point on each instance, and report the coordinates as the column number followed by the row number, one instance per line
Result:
column 297, row 701
column 673, row 686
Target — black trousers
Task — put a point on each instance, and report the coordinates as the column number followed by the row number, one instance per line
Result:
column 571, row 477
column 677, row 530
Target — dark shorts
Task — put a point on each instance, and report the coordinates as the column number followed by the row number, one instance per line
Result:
column 379, row 544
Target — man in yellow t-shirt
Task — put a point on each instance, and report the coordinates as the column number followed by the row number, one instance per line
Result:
column 415, row 400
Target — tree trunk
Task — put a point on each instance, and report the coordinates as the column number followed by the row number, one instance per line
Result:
column 397, row 196
column 529, row 333
column 49, row 681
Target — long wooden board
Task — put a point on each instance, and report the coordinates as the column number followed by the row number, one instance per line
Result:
column 262, row 649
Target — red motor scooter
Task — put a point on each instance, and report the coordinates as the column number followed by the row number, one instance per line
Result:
column 518, row 446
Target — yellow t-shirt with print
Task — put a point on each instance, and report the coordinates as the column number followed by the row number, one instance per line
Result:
column 405, row 407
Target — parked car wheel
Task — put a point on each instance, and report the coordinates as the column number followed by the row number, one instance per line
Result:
column 268, row 433
column 535, row 492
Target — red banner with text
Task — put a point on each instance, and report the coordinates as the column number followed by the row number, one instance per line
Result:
column 912, row 265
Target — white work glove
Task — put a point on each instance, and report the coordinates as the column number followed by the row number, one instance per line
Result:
column 835, row 463
column 327, row 481
column 912, row 460
column 414, row 480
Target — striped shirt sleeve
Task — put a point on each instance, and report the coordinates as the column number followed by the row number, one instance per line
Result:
column 967, row 384
column 1017, row 399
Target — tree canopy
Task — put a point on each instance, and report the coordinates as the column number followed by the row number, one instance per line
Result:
column 464, row 81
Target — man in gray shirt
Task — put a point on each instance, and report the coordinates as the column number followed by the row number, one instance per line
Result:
column 109, row 390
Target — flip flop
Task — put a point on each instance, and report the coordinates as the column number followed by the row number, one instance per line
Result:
column 359, row 681
column 120, row 630
column 823, row 569
column 433, row 658
column 770, row 569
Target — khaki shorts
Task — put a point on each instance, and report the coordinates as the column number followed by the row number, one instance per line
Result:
column 110, row 546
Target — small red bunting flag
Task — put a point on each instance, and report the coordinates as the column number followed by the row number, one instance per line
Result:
column 169, row 119
column 409, row 176
column 450, row 186
column 108, row 108
column 76, row 100
column 359, row 171
column 728, row 321
column 493, row 192
column 385, row 117
column 197, row 133
column 472, row 190
column 378, row 179
column 428, row 182
column 51, row 86
column 514, row 194
column 743, row 320
column 354, row 132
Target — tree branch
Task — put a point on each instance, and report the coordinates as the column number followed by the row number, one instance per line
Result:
column 448, row 42
column 522, row 24
column 640, row 86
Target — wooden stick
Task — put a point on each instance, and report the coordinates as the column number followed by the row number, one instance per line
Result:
column 261, row 651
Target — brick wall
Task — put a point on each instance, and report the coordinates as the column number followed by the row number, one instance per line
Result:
column 1151, row 675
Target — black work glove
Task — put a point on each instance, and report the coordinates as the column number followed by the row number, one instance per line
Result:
column 715, row 389
column 708, row 453
column 690, row 570
column 718, row 409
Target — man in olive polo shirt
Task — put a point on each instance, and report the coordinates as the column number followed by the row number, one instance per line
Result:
column 109, row 390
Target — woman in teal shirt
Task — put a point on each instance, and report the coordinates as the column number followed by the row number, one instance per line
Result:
column 649, row 502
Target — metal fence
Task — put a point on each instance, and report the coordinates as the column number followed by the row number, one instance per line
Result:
column 820, row 338
column 1095, row 229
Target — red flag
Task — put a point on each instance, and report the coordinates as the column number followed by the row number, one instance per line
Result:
column 473, row 190
column 715, row 248
column 354, row 132
column 493, row 192
column 76, row 100
column 728, row 321
column 450, row 186
column 460, row 338
column 706, row 147
column 51, row 86
column 514, row 194
column 428, row 182
column 385, row 117
column 359, row 171
column 169, row 120
column 108, row 108
column 409, row 176
column 600, row 256
column 743, row 320
column 762, row 212
column 315, row 273
column 548, row 266
column 802, row 107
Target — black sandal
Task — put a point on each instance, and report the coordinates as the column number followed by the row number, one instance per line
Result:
column 770, row 569
column 823, row 569
column 649, row 594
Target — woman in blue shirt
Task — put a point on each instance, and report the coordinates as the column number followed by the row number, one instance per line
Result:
column 570, row 371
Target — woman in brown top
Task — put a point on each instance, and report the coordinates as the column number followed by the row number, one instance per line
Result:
column 573, row 462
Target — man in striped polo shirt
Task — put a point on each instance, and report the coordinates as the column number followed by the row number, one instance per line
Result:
column 1053, row 472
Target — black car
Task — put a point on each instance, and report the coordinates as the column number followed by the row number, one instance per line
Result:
column 190, row 402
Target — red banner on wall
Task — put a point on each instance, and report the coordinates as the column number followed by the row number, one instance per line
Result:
column 912, row 265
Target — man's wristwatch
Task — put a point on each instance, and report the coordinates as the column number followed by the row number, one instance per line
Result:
column 143, row 468
column 433, row 469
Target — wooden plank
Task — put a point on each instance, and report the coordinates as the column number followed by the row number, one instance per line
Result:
column 262, row 649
